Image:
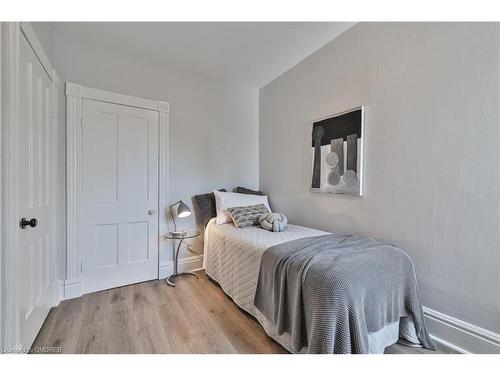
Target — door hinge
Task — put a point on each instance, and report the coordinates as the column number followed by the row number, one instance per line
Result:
column 53, row 273
column 81, row 266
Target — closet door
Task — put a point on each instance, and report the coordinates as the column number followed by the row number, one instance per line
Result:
column 119, row 197
column 33, row 270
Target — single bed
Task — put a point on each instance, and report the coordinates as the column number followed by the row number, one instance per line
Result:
column 232, row 258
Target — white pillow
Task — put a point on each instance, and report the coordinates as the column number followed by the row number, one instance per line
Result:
column 225, row 200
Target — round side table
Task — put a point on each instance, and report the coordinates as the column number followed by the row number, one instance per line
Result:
column 181, row 238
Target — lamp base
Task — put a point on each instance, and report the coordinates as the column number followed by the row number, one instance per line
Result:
column 169, row 281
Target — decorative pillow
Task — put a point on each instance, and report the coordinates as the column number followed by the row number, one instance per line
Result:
column 206, row 204
column 273, row 221
column 244, row 190
column 225, row 200
column 247, row 216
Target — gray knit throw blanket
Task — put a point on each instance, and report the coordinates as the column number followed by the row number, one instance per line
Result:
column 329, row 292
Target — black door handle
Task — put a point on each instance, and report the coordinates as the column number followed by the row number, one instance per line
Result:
column 24, row 223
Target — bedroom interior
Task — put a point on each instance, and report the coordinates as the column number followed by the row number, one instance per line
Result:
column 250, row 188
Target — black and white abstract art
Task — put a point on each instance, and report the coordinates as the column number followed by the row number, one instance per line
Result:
column 337, row 153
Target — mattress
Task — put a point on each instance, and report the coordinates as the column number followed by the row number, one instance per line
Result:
column 232, row 258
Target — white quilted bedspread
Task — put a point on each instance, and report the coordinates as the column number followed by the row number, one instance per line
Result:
column 232, row 256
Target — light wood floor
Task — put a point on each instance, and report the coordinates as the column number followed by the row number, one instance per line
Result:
column 194, row 317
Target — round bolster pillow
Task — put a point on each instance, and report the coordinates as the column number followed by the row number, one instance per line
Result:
column 275, row 222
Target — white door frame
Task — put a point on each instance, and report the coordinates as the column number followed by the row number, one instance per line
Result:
column 75, row 94
column 11, row 33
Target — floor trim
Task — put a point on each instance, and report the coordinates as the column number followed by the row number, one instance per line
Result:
column 60, row 291
column 72, row 289
column 192, row 263
column 459, row 335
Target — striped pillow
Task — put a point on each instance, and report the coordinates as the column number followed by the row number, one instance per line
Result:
column 244, row 217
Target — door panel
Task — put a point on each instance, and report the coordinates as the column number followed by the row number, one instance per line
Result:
column 106, row 255
column 104, row 133
column 35, row 184
column 137, row 144
column 119, row 228
column 138, row 242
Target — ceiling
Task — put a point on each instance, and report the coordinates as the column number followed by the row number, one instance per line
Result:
column 250, row 53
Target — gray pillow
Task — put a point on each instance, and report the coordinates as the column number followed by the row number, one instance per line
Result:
column 206, row 204
column 244, row 190
column 247, row 216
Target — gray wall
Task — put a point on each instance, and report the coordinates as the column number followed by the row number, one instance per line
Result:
column 432, row 142
column 213, row 124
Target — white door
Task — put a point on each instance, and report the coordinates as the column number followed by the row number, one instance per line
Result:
column 119, row 196
column 35, row 287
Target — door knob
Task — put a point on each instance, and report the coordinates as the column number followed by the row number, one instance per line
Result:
column 151, row 212
column 23, row 223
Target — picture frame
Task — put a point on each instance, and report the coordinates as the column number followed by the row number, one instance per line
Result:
column 337, row 149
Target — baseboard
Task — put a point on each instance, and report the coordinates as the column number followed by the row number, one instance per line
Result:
column 60, row 291
column 193, row 263
column 72, row 289
column 459, row 335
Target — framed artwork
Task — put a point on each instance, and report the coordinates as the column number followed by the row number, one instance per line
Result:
column 337, row 153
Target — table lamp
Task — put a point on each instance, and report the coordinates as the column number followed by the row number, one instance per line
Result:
column 182, row 211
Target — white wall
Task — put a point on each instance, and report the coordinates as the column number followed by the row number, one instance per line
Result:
column 45, row 34
column 432, row 142
column 213, row 124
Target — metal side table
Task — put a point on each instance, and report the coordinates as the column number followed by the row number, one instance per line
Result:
column 181, row 238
